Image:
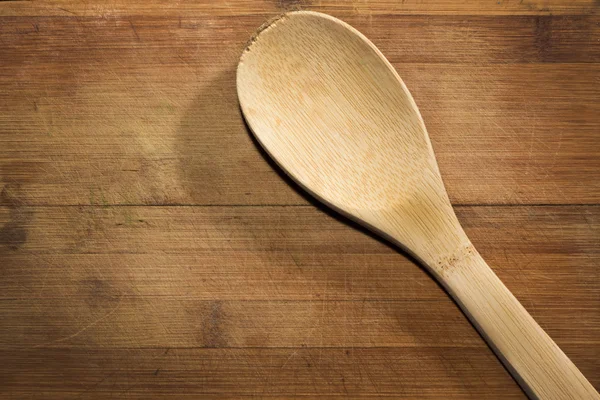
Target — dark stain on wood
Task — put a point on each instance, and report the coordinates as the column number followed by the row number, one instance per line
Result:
column 211, row 330
column 99, row 293
column 9, row 196
column 199, row 127
column 13, row 233
column 293, row 5
column 543, row 36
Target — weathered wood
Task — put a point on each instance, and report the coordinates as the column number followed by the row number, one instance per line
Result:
column 361, row 373
column 282, row 253
column 274, row 276
column 97, row 111
column 365, row 9
column 127, row 102
column 102, row 316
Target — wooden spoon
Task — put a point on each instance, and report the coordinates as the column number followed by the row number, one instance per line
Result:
column 333, row 113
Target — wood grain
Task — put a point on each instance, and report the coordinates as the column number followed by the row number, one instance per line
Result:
column 133, row 103
column 287, row 253
column 105, row 8
column 251, row 277
column 155, row 113
column 363, row 373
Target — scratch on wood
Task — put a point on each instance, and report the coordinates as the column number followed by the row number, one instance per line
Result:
column 134, row 31
column 35, row 29
column 85, row 328
column 67, row 11
column 289, row 358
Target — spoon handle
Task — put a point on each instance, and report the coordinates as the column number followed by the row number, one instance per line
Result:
column 531, row 356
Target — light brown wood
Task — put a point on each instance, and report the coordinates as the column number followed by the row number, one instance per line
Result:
column 93, row 114
column 268, row 373
column 367, row 8
column 183, row 268
column 333, row 113
column 286, row 253
column 109, row 104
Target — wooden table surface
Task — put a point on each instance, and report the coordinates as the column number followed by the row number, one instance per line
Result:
column 149, row 250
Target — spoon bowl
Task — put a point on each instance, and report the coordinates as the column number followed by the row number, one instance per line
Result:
column 347, row 130
column 333, row 113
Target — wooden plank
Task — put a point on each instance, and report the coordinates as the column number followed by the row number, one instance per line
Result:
column 95, row 110
column 346, row 8
column 205, row 40
column 355, row 372
column 538, row 147
column 97, row 318
column 181, row 230
column 391, row 372
column 101, row 317
column 134, row 103
column 292, row 275
column 281, row 253
column 274, row 276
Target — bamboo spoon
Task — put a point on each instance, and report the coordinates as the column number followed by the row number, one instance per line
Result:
column 334, row 114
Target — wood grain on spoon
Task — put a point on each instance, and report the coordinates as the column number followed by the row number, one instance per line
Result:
column 334, row 114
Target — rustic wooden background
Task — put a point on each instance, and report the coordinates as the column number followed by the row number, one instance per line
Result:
column 149, row 250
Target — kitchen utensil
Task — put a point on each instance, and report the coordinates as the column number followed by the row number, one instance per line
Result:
column 333, row 113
